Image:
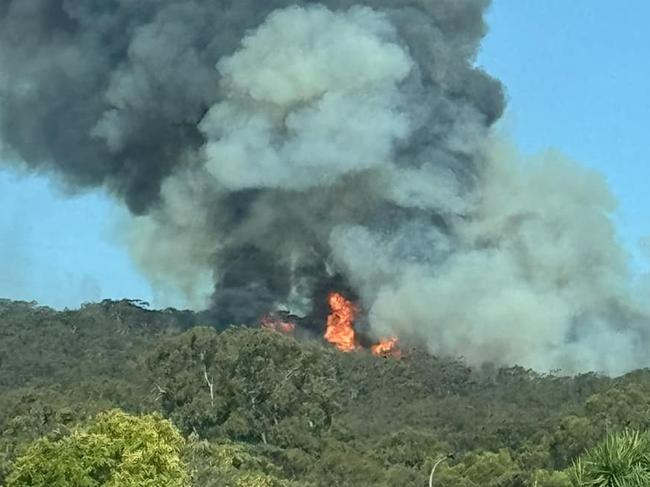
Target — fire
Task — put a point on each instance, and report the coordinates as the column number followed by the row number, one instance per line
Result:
column 387, row 347
column 271, row 323
column 340, row 323
column 340, row 329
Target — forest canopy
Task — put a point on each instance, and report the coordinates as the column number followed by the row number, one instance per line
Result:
column 247, row 407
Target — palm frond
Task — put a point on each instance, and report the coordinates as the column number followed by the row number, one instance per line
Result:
column 622, row 460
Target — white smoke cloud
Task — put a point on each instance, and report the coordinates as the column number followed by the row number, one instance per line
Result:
column 174, row 247
column 313, row 95
column 538, row 277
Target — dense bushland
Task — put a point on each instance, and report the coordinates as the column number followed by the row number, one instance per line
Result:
column 255, row 407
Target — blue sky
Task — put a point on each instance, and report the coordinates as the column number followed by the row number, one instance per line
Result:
column 61, row 250
column 576, row 73
column 577, row 76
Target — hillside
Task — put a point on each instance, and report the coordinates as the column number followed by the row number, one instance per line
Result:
column 253, row 401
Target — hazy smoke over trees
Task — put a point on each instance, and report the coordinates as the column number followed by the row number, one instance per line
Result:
column 268, row 147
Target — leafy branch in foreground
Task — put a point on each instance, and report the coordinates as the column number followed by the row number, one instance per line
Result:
column 116, row 449
column 621, row 460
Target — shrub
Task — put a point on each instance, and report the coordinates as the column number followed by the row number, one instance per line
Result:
column 115, row 450
column 622, row 460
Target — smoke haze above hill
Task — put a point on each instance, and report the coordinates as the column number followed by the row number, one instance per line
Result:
column 269, row 148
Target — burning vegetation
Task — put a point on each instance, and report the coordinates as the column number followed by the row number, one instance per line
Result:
column 341, row 333
column 272, row 323
column 340, row 323
column 387, row 347
column 339, row 330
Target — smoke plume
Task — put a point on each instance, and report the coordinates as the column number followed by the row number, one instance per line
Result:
column 271, row 149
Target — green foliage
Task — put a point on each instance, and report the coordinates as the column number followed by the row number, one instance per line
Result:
column 622, row 460
column 408, row 448
column 96, row 341
column 545, row 478
column 485, row 469
column 249, row 385
column 496, row 469
column 344, row 465
column 623, row 406
column 572, row 436
column 281, row 411
column 30, row 413
column 114, row 450
column 228, row 464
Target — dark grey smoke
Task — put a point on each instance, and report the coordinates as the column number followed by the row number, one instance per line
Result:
column 271, row 151
column 111, row 94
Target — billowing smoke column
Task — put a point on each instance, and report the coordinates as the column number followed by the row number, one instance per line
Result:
column 270, row 150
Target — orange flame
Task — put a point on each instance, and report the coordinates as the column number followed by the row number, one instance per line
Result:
column 271, row 323
column 387, row 347
column 340, row 323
